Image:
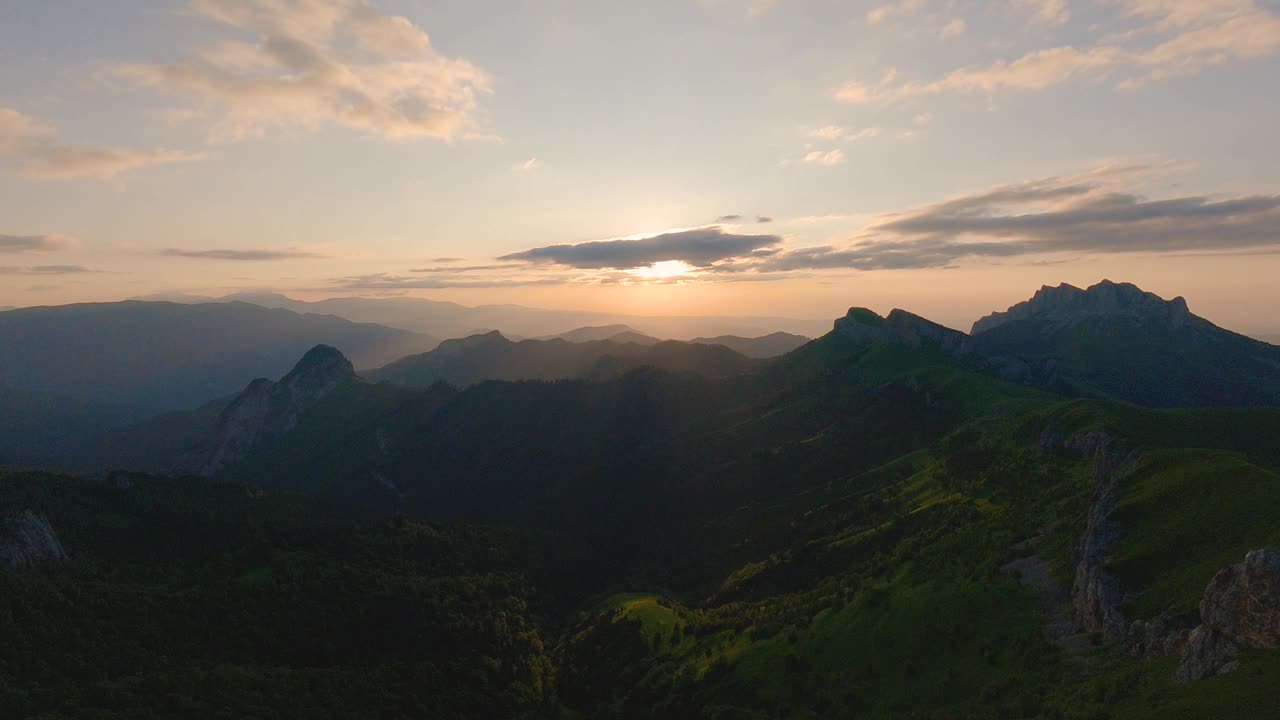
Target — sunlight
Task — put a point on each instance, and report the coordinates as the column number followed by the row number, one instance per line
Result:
column 664, row 269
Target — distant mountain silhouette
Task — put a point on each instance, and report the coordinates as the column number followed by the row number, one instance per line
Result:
column 767, row 346
column 167, row 356
column 588, row 334
column 451, row 320
column 493, row 357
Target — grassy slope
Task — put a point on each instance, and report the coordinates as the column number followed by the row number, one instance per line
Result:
column 886, row 603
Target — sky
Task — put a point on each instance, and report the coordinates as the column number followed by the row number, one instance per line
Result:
column 669, row 157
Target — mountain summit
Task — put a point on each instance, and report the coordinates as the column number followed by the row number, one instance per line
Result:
column 1113, row 340
column 1066, row 304
column 899, row 326
column 267, row 409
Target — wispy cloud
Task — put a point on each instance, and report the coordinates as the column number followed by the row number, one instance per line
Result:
column 828, row 158
column 35, row 243
column 699, row 247
column 40, row 154
column 39, row 270
column 250, row 255
column 527, row 165
column 1045, row 12
column 390, row 281
column 914, row 17
column 1085, row 215
column 835, row 132
column 1179, row 37
column 308, row 63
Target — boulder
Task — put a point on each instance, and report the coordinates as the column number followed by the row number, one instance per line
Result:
column 27, row 539
column 1206, row 654
column 1243, row 600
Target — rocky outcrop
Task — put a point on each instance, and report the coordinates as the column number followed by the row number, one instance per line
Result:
column 266, row 408
column 1164, row 636
column 899, row 326
column 1066, row 304
column 1207, row 653
column 1240, row 608
column 1095, row 592
column 27, row 539
column 1243, row 600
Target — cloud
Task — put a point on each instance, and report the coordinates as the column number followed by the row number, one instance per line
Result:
column 45, row 270
column 728, row 218
column 311, row 63
column 460, row 268
column 527, row 165
column 386, row 281
column 1083, row 215
column 835, row 132
column 1044, row 12
column 763, row 219
column 1189, row 36
column 829, row 158
column 41, row 155
column 35, row 243
column 243, row 255
column 698, row 247
column 913, row 17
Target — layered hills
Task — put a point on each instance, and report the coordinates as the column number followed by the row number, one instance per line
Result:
column 879, row 524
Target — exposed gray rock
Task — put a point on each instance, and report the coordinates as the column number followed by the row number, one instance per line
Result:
column 899, row 326
column 1207, row 653
column 1096, row 593
column 1243, row 600
column 1065, row 304
column 1240, row 608
column 27, row 539
column 267, row 408
column 1165, row 636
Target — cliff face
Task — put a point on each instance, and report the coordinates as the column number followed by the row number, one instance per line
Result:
column 899, row 326
column 1066, row 304
column 267, row 408
column 1240, row 608
column 27, row 539
column 1095, row 592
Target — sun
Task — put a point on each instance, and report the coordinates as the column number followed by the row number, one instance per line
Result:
column 664, row 269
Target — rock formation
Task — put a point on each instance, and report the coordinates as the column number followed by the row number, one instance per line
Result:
column 267, row 408
column 1240, row 608
column 27, row 539
column 899, row 326
column 1243, row 600
column 1066, row 304
column 1095, row 592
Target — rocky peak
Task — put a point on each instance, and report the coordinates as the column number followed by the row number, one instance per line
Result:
column 899, row 326
column 320, row 365
column 267, row 408
column 27, row 539
column 1067, row 304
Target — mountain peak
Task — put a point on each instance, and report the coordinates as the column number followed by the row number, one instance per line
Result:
column 321, row 365
column 1065, row 304
column 267, row 408
column 899, row 326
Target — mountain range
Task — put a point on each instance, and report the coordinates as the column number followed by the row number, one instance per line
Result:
column 451, row 320
column 893, row 520
column 93, row 367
